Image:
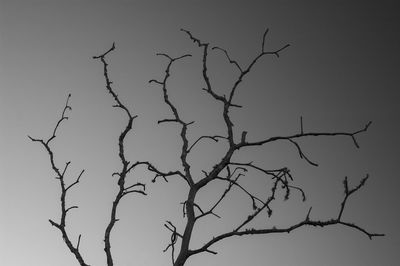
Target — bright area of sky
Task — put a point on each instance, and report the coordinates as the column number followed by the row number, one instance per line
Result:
column 341, row 71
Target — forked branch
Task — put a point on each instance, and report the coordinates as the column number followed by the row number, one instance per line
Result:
column 184, row 125
column 306, row 222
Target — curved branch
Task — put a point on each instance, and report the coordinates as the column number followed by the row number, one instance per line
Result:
column 234, row 62
column 214, row 138
column 122, row 190
column 226, row 191
column 63, row 117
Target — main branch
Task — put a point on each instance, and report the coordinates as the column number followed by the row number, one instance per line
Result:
column 126, row 167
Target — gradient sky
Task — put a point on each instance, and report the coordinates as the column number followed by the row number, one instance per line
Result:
column 341, row 71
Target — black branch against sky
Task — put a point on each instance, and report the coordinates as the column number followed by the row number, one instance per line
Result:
column 60, row 176
column 123, row 189
column 225, row 170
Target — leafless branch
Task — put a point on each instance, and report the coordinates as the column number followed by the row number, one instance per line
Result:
column 60, row 176
column 305, row 222
column 310, row 134
column 174, row 238
column 257, row 211
column 159, row 173
column 177, row 119
column 206, row 78
column 63, row 117
column 234, row 62
column 281, row 175
column 79, row 242
column 214, row 138
column 245, row 71
column 129, row 189
column 126, row 167
column 301, row 154
column 76, row 181
column 348, row 192
column 301, row 125
column 231, row 182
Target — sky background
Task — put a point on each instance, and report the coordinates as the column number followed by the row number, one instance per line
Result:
column 341, row 71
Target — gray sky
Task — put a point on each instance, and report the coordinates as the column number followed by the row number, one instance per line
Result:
column 341, row 71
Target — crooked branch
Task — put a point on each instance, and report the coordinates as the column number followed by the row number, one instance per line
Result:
column 60, row 176
column 184, row 126
column 123, row 190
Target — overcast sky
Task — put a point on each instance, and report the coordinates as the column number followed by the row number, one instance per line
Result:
column 340, row 72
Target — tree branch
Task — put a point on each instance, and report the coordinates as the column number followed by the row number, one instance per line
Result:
column 231, row 182
column 122, row 190
column 177, row 119
column 234, row 62
column 61, row 226
column 310, row 134
column 174, row 238
column 214, row 138
column 306, row 222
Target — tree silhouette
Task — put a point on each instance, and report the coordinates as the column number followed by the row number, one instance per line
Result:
column 226, row 170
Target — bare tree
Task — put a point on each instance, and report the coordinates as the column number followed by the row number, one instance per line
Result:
column 229, row 171
column 226, row 170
